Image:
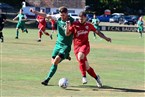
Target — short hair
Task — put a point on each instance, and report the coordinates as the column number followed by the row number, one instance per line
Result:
column 63, row 9
column 82, row 13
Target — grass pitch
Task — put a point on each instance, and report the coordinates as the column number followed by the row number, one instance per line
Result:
column 25, row 63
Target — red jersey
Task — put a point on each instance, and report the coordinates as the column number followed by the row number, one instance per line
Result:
column 81, row 32
column 52, row 22
column 42, row 21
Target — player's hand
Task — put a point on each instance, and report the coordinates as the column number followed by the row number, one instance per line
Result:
column 68, row 23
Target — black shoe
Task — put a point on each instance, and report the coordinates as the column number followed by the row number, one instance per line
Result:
column 51, row 37
column 45, row 83
column 16, row 37
column 39, row 40
column 26, row 31
column 69, row 58
column 2, row 39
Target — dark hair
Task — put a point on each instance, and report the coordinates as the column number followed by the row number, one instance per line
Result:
column 63, row 9
column 82, row 13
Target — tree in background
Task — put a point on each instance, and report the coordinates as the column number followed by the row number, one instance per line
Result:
column 15, row 3
column 98, row 6
column 124, row 6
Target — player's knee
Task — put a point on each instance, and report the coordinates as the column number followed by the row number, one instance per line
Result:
column 57, row 60
column 80, row 56
column 52, row 60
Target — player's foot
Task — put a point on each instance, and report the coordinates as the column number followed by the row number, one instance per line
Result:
column 69, row 58
column 26, row 31
column 51, row 36
column 84, row 80
column 98, row 81
column 39, row 40
column 45, row 83
column 2, row 39
column 16, row 37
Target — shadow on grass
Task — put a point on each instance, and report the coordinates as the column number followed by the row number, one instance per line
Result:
column 109, row 88
column 123, row 89
column 73, row 89
column 50, row 85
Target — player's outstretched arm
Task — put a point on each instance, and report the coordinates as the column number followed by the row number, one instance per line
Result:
column 100, row 34
column 39, row 13
column 15, row 18
column 67, row 32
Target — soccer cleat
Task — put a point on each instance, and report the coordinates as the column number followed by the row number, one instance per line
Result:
column 16, row 37
column 45, row 83
column 26, row 31
column 2, row 39
column 51, row 36
column 69, row 58
column 84, row 80
column 98, row 81
column 39, row 40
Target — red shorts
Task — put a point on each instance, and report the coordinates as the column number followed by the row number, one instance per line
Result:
column 84, row 49
column 53, row 27
column 42, row 28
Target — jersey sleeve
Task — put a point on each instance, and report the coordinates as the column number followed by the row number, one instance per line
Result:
column 71, row 28
column 92, row 28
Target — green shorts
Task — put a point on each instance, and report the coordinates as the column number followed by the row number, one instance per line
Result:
column 97, row 27
column 140, row 29
column 61, row 49
column 20, row 25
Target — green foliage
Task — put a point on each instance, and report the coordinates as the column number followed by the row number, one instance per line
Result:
column 98, row 6
column 124, row 6
column 16, row 3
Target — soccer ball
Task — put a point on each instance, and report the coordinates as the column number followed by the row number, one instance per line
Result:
column 63, row 83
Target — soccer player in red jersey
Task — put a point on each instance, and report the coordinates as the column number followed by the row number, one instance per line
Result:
column 52, row 21
column 42, row 26
column 80, row 30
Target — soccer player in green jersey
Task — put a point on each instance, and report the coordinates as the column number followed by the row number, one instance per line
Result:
column 21, row 23
column 140, row 25
column 95, row 22
column 63, row 43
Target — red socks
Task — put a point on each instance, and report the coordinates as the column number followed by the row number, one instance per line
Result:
column 91, row 72
column 83, row 68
